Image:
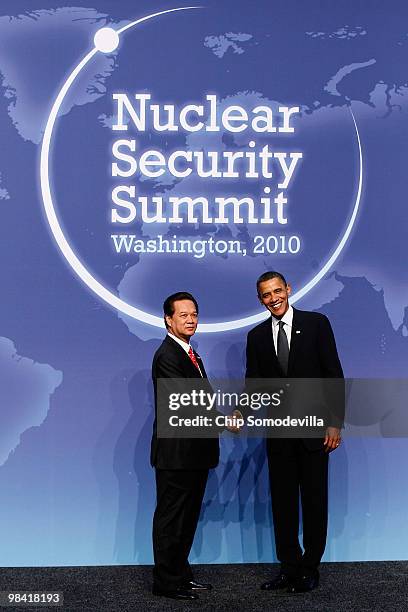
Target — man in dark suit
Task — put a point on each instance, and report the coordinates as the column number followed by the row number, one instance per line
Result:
column 181, row 465
column 296, row 344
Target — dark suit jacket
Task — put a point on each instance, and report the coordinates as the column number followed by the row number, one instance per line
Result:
column 313, row 354
column 172, row 361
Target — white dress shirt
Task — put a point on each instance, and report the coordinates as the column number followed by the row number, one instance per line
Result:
column 288, row 320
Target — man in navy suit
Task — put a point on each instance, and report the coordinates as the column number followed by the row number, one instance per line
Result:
column 181, row 465
column 296, row 344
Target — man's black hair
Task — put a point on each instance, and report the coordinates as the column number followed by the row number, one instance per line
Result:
column 269, row 276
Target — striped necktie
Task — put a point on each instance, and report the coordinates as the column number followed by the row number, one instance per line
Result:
column 193, row 358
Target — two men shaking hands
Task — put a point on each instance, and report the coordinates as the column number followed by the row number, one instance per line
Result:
column 291, row 344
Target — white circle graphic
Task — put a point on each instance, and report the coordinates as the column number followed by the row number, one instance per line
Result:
column 106, row 40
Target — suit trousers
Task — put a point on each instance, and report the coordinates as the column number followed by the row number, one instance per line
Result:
column 179, row 497
column 297, row 470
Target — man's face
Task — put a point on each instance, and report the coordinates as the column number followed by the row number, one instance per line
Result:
column 274, row 294
column 183, row 322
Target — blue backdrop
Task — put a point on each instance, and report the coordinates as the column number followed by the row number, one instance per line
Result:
column 76, row 401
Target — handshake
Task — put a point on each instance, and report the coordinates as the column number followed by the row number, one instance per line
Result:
column 234, row 421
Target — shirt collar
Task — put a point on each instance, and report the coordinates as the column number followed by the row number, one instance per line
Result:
column 287, row 318
column 185, row 345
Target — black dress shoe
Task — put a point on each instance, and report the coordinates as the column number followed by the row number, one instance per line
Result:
column 304, row 584
column 193, row 585
column 281, row 582
column 180, row 593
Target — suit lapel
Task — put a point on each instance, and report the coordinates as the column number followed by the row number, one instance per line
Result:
column 268, row 349
column 200, row 363
column 188, row 365
column 295, row 340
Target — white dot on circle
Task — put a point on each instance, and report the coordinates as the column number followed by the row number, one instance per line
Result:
column 106, row 40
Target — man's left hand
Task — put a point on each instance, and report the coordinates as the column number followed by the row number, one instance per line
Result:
column 332, row 439
column 233, row 421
